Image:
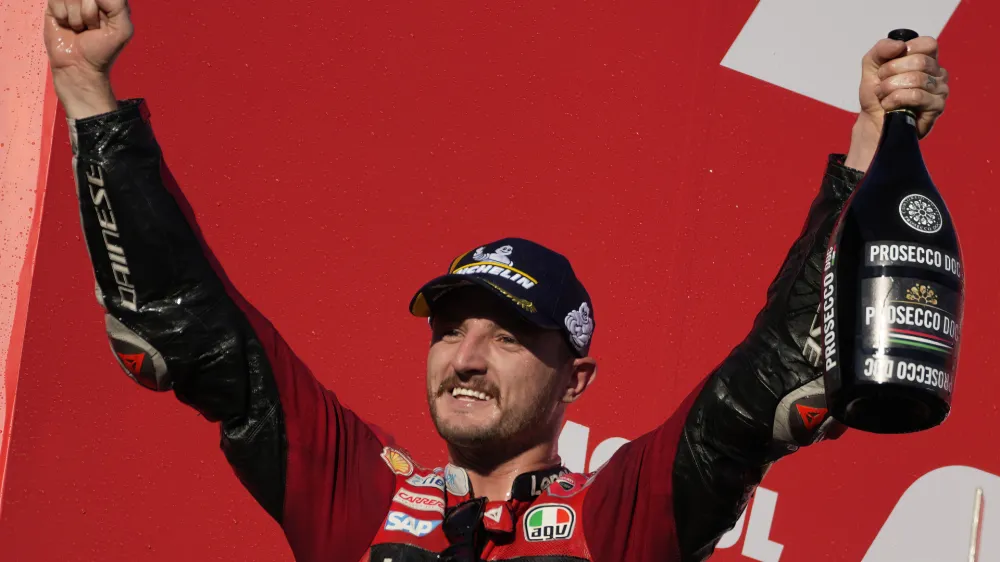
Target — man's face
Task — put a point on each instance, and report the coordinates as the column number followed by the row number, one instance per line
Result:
column 492, row 377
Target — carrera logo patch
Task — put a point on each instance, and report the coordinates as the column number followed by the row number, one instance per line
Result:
column 421, row 502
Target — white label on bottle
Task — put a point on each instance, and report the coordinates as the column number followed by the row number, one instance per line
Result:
column 892, row 369
column 913, row 314
column 891, row 253
column 828, row 307
column 920, row 213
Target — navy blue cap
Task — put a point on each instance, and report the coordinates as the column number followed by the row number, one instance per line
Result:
column 538, row 282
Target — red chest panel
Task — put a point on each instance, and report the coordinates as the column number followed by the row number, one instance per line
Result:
column 543, row 517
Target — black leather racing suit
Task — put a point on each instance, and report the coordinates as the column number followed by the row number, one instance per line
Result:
column 329, row 479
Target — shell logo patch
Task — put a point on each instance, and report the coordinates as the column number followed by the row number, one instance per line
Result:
column 397, row 461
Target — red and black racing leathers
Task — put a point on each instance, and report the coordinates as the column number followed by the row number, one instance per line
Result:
column 340, row 490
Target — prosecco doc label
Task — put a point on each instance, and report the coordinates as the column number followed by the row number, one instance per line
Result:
column 912, row 314
column 905, row 371
column 909, row 254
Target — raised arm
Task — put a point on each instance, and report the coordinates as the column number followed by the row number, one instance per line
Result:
column 175, row 324
column 169, row 319
column 766, row 399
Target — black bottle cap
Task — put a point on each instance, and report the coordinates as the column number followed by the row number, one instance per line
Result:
column 903, row 34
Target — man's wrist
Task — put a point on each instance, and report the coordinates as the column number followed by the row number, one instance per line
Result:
column 864, row 143
column 84, row 96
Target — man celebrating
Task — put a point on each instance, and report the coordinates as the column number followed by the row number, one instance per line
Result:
column 511, row 327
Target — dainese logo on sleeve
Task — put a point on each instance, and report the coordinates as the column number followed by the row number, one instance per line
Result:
column 549, row 522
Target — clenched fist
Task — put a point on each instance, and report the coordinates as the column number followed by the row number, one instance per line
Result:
column 83, row 38
column 897, row 75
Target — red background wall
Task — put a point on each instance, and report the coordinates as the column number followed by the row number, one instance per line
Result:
column 339, row 155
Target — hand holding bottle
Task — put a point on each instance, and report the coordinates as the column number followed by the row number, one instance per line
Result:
column 894, row 75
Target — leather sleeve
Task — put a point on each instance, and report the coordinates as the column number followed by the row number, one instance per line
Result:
column 175, row 323
column 764, row 401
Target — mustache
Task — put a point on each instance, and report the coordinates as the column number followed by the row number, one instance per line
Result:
column 476, row 384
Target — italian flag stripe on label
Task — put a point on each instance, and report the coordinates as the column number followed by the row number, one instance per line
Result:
column 549, row 516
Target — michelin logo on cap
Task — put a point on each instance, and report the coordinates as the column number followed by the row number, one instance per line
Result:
column 497, row 263
column 499, row 256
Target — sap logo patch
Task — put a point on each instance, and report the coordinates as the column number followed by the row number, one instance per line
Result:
column 429, row 481
column 399, row 521
column 549, row 522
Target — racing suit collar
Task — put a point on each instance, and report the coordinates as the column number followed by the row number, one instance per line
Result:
column 525, row 487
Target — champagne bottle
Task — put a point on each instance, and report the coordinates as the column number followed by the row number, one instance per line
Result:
column 893, row 292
